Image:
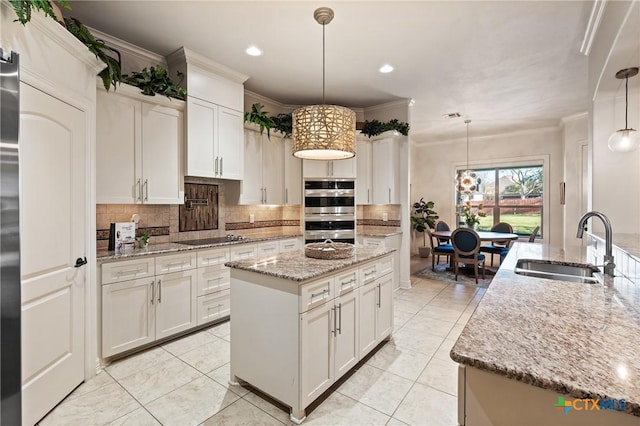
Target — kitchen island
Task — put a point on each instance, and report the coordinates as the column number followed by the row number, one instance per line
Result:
column 299, row 324
column 542, row 351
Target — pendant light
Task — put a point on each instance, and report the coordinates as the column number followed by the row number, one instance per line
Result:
column 467, row 181
column 324, row 132
column 627, row 139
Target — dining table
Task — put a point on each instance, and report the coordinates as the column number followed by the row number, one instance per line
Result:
column 484, row 235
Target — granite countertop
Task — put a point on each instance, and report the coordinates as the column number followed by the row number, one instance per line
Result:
column 296, row 266
column 572, row 338
column 378, row 231
column 155, row 249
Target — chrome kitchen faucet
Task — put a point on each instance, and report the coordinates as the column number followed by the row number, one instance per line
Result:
column 609, row 266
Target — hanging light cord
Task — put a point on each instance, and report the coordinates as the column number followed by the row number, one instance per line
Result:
column 323, row 25
column 467, row 145
column 626, row 100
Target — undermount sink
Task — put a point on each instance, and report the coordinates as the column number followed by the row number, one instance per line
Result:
column 573, row 272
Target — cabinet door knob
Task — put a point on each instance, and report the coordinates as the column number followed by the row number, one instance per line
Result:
column 80, row 262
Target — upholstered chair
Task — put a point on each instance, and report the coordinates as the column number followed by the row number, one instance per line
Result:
column 498, row 247
column 466, row 249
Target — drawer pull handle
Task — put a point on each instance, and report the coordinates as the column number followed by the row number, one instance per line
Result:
column 339, row 318
column 159, row 291
column 366, row 274
column 313, row 295
column 153, row 292
column 344, row 283
column 130, row 271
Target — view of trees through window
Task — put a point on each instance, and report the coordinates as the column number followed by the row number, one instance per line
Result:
column 508, row 194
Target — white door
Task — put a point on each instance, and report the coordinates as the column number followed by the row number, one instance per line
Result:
column 363, row 166
column 230, row 146
column 202, row 126
column 316, row 352
column 175, row 303
column 384, row 169
column 344, row 168
column 273, row 170
column 368, row 307
column 161, row 142
column 346, row 353
column 252, row 189
column 117, row 150
column 384, row 319
column 316, row 168
column 292, row 175
column 53, row 230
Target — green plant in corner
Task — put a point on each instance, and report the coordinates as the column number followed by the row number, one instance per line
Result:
column 112, row 74
column 423, row 216
column 23, row 8
column 144, row 238
column 259, row 116
column 156, row 80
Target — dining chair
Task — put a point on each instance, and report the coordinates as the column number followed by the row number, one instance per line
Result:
column 499, row 247
column 441, row 225
column 534, row 234
column 438, row 249
column 466, row 249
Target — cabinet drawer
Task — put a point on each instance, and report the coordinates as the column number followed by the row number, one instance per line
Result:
column 373, row 242
column 346, row 282
column 175, row 262
column 316, row 293
column 291, row 244
column 213, row 306
column 243, row 251
column 384, row 266
column 369, row 272
column 268, row 249
column 212, row 257
column 212, row 279
column 127, row 270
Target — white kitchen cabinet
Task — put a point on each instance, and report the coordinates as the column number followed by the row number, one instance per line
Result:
column 385, row 166
column 346, row 336
column 363, row 176
column 329, row 168
column 139, row 146
column 385, row 241
column 214, row 306
column 263, row 181
column 215, row 146
column 292, row 175
column 268, row 248
column 290, row 244
column 176, row 303
column 376, row 303
column 243, row 251
column 128, row 315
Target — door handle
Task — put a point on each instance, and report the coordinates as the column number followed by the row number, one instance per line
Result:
column 153, row 292
column 139, row 190
column 286, row 195
column 335, row 321
column 221, row 172
column 389, row 195
column 146, row 189
column 339, row 318
column 215, row 166
column 160, row 291
column 80, row 262
column 379, row 296
column 368, row 199
column 265, row 196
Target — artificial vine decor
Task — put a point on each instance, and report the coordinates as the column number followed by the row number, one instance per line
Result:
column 23, row 8
column 283, row 123
column 375, row 127
column 156, row 80
column 259, row 116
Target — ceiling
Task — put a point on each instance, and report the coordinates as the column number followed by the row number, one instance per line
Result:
column 505, row 65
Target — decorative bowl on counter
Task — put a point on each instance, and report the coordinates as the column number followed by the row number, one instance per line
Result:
column 328, row 250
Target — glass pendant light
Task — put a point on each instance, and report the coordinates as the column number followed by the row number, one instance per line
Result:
column 467, row 181
column 324, row 132
column 627, row 139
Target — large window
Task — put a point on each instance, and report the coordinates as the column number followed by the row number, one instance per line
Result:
column 509, row 194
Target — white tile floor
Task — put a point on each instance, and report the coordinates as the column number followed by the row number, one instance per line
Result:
column 410, row 380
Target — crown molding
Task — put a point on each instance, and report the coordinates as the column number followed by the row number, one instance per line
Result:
column 265, row 99
column 387, row 105
column 128, row 48
column 574, row 117
column 192, row 58
column 597, row 11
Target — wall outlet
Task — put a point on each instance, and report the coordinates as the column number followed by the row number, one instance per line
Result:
column 385, row 217
column 252, row 218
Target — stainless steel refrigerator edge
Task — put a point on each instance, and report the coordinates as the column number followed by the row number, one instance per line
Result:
column 10, row 331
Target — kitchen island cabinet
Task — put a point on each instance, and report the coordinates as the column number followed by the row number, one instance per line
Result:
column 534, row 345
column 297, row 320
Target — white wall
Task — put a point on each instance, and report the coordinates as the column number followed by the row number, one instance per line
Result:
column 433, row 165
column 615, row 176
column 575, row 141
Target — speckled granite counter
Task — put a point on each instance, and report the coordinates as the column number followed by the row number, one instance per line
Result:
column 296, row 266
column 577, row 339
column 155, row 249
column 378, row 231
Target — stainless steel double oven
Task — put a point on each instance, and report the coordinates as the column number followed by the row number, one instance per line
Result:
column 329, row 210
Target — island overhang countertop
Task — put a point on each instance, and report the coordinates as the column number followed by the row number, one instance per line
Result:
column 296, row 266
column 577, row 339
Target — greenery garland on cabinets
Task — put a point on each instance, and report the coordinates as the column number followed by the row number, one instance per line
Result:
column 283, row 123
column 375, row 127
column 156, row 80
column 259, row 116
column 23, row 8
column 112, row 74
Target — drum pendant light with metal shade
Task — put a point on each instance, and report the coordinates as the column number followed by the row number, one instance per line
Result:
column 324, row 132
column 627, row 139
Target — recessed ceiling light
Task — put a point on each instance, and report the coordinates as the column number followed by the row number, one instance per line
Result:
column 253, row 51
column 386, row 68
